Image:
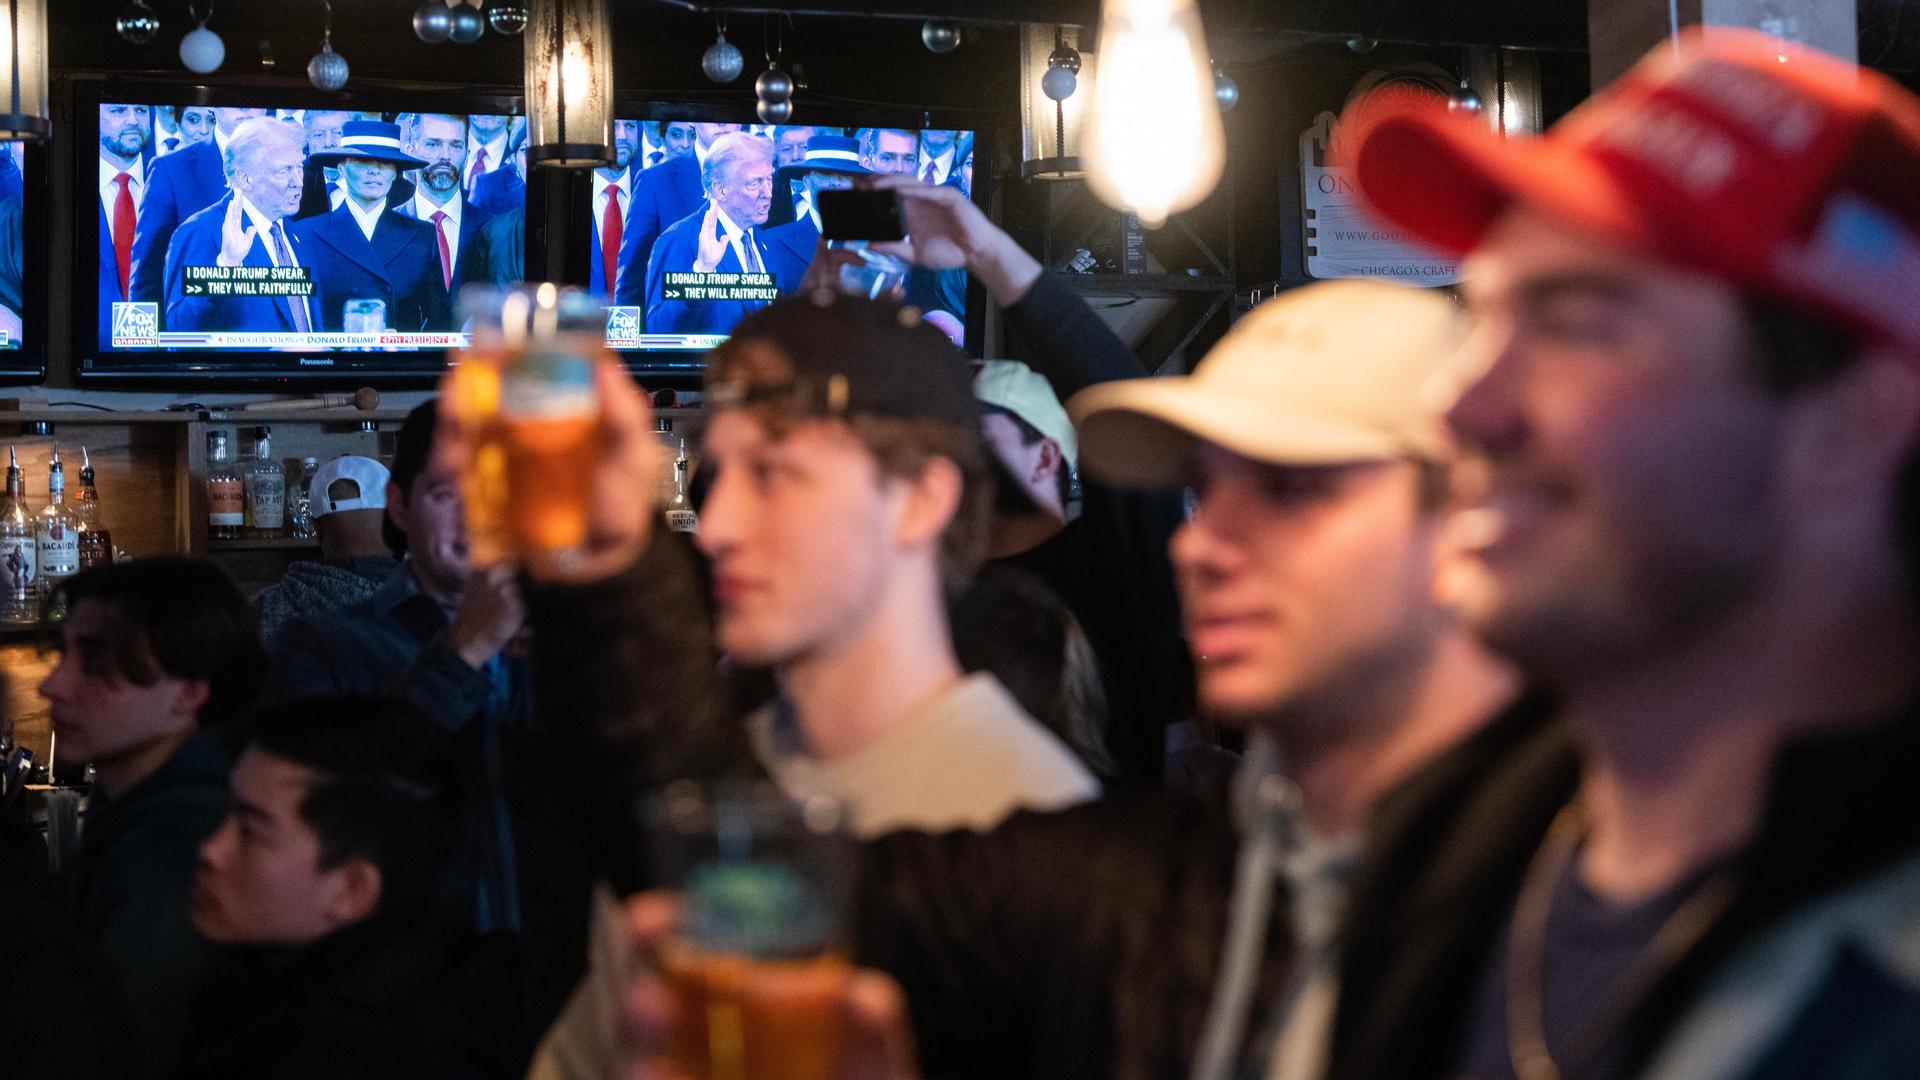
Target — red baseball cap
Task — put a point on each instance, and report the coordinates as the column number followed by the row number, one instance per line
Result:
column 1785, row 171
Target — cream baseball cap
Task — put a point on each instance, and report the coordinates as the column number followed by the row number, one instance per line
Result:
column 1024, row 392
column 1328, row 373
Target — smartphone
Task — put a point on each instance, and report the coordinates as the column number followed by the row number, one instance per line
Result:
column 846, row 214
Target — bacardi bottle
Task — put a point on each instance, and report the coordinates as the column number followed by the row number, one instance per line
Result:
column 56, row 532
column 19, row 554
column 266, row 485
column 96, row 541
column 226, row 492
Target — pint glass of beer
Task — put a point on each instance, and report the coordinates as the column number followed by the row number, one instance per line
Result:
column 524, row 391
column 758, row 960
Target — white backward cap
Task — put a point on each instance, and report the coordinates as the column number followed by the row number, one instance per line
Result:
column 367, row 474
column 1341, row 371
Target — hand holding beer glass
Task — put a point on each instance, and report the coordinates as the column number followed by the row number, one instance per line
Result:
column 549, row 436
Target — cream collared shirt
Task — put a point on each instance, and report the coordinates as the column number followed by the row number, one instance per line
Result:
column 369, row 218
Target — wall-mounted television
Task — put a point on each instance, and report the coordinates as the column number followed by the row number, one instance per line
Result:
column 23, row 287
column 684, row 171
column 258, row 236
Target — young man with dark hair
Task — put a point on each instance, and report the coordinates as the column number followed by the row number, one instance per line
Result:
column 1690, row 485
column 155, row 658
column 325, row 870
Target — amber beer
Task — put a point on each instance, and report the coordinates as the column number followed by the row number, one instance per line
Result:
column 738, row 1018
column 525, row 395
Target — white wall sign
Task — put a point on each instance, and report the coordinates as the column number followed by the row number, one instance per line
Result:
column 1343, row 240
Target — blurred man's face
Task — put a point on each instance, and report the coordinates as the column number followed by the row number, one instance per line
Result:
column 434, row 519
column 790, row 146
column 274, row 179
column 1620, row 456
column 937, row 141
column 486, row 127
column 368, row 181
column 746, row 193
column 124, row 129
column 441, row 142
column 258, row 880
column 892, row 152
column 706, row 133
column 626, row 142
column 323, row 130
column 800, row 533
column 100, row 716
column 679, row 139
column 1302, row 584
column 228, row 119
column 966, row 174
column 196, row 125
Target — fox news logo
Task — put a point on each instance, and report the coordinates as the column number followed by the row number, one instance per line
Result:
column 623, row 327
column 135, row 324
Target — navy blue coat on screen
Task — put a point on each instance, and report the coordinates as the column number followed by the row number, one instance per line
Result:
column 400, row 265
column 499, row 191
column 179, row 185
column 789, row 251
column 197, row 243
column 470, row 261
column 675, row 252
column 662, row 196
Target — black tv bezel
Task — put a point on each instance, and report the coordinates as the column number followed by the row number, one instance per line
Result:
column 27, row 365
column 97, row 367
column 686, row 367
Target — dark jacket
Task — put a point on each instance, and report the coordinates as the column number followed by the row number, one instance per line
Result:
column 675, row 253
column 662, row 195
column 312, row 586
column 400, row 266
column 384, row 1000
column 179, row 185
column 1450, row 855
column 197, row 243
column 61, row 998
column 505, row 237
column 132, row 887
column 1110, row 565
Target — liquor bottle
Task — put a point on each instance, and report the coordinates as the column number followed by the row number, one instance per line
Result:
column 266, row 486
column 680, row 513
column 300, row 502
column 96, row 540
column 56, row 532
column 19, row 553
column 226, row 493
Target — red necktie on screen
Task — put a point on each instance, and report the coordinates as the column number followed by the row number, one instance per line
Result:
column 283, row 256
column 123, row 231
column 612, row 225
column 931, row 175
column 446, row 253
column 478, row 169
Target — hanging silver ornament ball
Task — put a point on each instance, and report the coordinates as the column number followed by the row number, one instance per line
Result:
column 775, row 112
column 432, row 21
column 939, row 36
column 137, row 23
column 1225, row 91
column 1464, row 101
column 773, row 85
column 328, row 69
column 1059, row 83
column 1064, row 56
column 722, row 61
column 468, row 25
column 202, row 50
column 507, row 17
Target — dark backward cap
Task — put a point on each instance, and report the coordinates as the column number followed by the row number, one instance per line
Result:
column 1783, row 171
column 830, row 355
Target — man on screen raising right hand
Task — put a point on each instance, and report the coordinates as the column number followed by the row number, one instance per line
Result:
column 719, row 238
column 247, row 228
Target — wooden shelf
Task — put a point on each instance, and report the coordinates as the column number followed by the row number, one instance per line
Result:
column 265, row 543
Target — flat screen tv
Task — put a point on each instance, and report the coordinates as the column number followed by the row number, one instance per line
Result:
column 681, row 172
column 22, row 246
column 263, row 237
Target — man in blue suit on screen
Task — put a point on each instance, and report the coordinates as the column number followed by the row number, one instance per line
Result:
column 721, row 238
column 126, row 137
column 662, row 195
column 247, row 228
column 180, row 185
column 440, row 140
column 611, row 204
column 831, row 161
column 367, row 250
